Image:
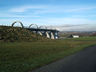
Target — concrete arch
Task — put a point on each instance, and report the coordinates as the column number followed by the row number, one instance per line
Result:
column 44, row 34
column 40, row 33
column 18, row 22
column 47, row 35
column 32, row 25
column 52, row 35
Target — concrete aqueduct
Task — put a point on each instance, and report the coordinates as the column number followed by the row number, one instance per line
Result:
column 49, row 33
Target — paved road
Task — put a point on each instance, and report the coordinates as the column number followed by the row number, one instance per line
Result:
column 84, row 61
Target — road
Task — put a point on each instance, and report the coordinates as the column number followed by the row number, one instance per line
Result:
column 84, row 61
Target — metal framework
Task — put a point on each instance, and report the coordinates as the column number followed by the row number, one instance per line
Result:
column 32, row 25
column 17, row 22
column 40, row 27
column 42, row 30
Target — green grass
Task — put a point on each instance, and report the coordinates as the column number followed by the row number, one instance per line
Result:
column 26, row 56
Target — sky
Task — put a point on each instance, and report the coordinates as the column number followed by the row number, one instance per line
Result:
column 64, row 15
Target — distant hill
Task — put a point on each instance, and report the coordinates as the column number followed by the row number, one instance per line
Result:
column 80, row 33
column 12, row 34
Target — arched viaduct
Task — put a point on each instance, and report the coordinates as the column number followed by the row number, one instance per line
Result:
column 42, row 30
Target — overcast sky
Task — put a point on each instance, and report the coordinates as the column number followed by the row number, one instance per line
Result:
column 61, row 14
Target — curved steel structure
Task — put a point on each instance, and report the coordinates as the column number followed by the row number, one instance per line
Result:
column 18, row 22
column 41, row 30
column 32, row 25
column 43, row 26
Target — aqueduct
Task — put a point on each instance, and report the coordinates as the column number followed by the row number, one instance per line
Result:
column 49, row 33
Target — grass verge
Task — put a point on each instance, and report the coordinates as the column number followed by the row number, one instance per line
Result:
column 26, row 56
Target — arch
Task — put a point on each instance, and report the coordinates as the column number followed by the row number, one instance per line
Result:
column 40, row 33
column 43, row 26
column 47, row 35
column 32, row 25
column 52, row 35
column 18, row 22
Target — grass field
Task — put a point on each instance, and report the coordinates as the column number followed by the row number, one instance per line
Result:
column 26, row 56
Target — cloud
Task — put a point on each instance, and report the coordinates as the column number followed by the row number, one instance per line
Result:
column 62, row 24
column 80, row 9
column 60, row 21
column 84, row 16
column 25, row 8
column 83, row 27
column 57, row 21
column 51, row 8
column 67, row 24
column 36, row 11
column 19, row 16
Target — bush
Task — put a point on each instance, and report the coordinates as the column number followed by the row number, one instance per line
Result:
column 17, row 34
